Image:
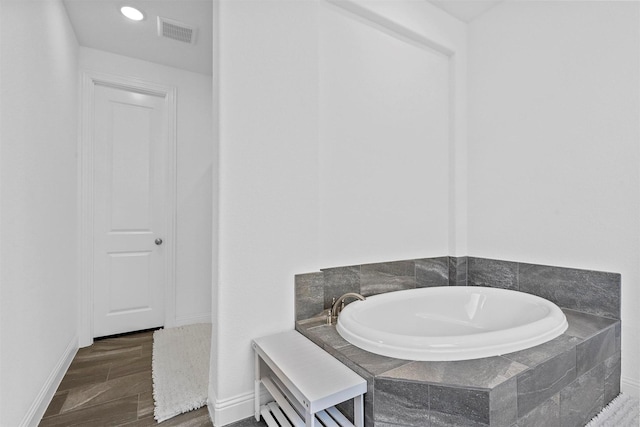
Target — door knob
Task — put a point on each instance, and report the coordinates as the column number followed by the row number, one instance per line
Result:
column 158, row 241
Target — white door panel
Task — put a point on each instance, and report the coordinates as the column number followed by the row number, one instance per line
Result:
column 129, row 170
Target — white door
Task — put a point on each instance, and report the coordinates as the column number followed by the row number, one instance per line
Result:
column 130, row 134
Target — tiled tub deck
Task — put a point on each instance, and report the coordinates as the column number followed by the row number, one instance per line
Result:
column 563, row 383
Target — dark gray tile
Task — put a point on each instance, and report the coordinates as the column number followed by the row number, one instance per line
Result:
column 328, row 335
column 544, row 380
column 369, row 401
column 479, row 373
column 588, row 291
column 595, row 350
column 457, row 271
column 401, row 402
column 373, row 363
column 453, row 274
column 462, row 274
column 432, row 272
column 612, row 371
column 387, row 277
column 492, row 273
column 311, row 323
column 309, row 295
column 584, row 325
column 583, row 398
column 339, row 281
column 547, row 414
column 535, row 355
column 451, row 406
column 503, row 404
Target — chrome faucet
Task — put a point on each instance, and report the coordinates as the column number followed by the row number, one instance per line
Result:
column 338, row 305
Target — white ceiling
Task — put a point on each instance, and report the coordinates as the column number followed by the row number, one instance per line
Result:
column 98, row 24
column 465, row 10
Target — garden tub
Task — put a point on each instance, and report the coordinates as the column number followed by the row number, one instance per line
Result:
column 450, row 323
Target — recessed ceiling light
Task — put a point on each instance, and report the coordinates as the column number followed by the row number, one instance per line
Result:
column 132, row 13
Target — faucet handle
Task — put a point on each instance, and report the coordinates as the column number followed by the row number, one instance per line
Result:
column 330, row 318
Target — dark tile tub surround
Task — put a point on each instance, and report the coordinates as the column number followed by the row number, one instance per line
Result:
column 458, row 271
column 594, row 292
column 315, row 291
column 432, row 272
column 563, row 382
column 588, row 291
column 492, row 273
column 387, row 277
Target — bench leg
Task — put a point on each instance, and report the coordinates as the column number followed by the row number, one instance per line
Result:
column 309, row 419
column 358, row 411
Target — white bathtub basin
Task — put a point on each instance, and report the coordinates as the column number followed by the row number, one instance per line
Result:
column 450, row 323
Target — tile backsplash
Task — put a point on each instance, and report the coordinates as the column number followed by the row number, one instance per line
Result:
column 588, row 291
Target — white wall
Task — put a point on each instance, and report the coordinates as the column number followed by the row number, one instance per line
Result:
column 268, row 180
column 38, row 208
column 386, row 130
column 553, row 146
column 293, row 160
column 194, row 173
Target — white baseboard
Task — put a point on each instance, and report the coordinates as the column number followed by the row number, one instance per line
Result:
column 42, row 400
column 210, row 409
column 227, row 411
column 630, row 386
column 190, row 320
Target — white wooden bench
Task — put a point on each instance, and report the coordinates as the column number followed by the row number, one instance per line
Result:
column 305, row 382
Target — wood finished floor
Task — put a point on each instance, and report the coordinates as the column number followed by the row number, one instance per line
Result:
column 109, row 384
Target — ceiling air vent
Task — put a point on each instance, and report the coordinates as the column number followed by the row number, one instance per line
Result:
column 176, row 30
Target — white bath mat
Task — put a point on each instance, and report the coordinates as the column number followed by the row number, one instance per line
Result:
column 621, row 412
column 180, row 369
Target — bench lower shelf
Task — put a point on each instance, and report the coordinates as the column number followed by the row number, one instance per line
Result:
column 274, row 416
column 282, row 413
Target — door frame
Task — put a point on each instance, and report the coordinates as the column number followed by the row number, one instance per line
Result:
column 86, row 145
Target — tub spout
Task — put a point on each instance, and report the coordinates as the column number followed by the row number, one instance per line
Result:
column 339, row 304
